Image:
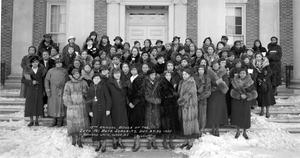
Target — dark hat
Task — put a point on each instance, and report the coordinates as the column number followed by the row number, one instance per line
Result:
column 224, row 37
column 88, row 39
column 47, row 35
column 244, row 56
column 274, row 37
column 206, row 39
column 188, row 71
column 74, row 71
column 56, row 48
column 214, row 62
column 137, row 67
column 95, row 60
column 135, row 42
column 230, row 53
column 105, row 36
column 119, row 38
column 58, row 60
column 116, row 56
column 116, row 70
column 96, row 75
column 151, row 71
column 159, row 41
column 175, row 37
column 93, row 33
column 237, row 61
column 33, row 58
column 186, row 59
column 243, row 69
column 104, row 67
column 180, row 48
column 221, row 59
column 250, row 49
column 159, row 55
column 170, row 62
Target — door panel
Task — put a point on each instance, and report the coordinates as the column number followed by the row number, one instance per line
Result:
column 156, row 33
column 140, row 33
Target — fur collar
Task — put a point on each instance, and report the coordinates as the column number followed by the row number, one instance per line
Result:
column 265, row 62
column 215, row 75
column 237, row 83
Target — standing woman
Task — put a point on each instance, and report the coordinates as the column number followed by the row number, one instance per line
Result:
column 147, row 46
column 117, row 100
column 257, row 47
column 34, row 81
column 99, row 109
column 262, row 75
column 152, row 106
column 74, row 98
column 203, row 92
column 25, row 64
column 216, row 102
column 274, row 55
column 242, row 92
column 169, row 110
column 54, row 84
column 188, row 108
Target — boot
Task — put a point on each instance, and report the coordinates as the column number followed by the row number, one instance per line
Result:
column 164, row 143
column 136, row 144
column 149, row 143
column 154, row 143
column 79, row 142
column 59, row 121
column 171, row 144
column 73, row 140
column 54, row 122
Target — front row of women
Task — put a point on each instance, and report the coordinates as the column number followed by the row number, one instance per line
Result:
column 158, row 103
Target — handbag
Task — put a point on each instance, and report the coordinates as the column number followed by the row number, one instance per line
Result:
column 263, row 87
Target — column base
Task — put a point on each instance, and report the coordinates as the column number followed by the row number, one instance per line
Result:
column 295, row 84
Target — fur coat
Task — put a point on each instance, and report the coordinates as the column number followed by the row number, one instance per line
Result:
column 216, row 78
column 188, row 106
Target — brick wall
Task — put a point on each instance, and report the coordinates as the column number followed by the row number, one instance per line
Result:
column 39, row 21
column 252, row 22
column 100, row 25
column 192, row 20
column 6, row 33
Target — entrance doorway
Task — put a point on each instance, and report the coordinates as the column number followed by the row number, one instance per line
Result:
column 146, row 22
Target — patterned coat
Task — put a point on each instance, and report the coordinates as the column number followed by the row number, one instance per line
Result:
column 74, row 99
column 188, row 106
column 54, row 84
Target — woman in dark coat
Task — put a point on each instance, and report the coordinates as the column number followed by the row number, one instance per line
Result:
column 98, row 108
column 262, row 75
column 242, row 92
column 216, row 102
column 34, row 80
column 104, row 44
column 274, row 55
column 136, row 96
column 117, row 99
column 152, row 106
column 257, row 47
column 91, row 48
column 203, row 91
column 46, row 44
column 25, row 64
column 69, row 57
column 169, row 110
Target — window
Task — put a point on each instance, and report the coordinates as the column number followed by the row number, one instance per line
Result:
column 235, row 23
column 56, row 22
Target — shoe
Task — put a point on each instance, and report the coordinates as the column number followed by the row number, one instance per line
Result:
column 103, row 149
column 119, row 144
column 59, row 122
column 200, row 135
column 165, row 145
column 237, row 135
column 183, row 145
column 79, row 142
column 73, row 140
column 217, row 134
column 133, row 147
column 36, row 123
column 267, row 115
column 171, row 144
column 30, row 124
column 136, row 148
column 149, row 145
column 54, row 122
column 245, row 136
column 188, row 147
column 154, row 145
column 115, row 146
column 261, row 113
column 98, row 147
column 213, row 132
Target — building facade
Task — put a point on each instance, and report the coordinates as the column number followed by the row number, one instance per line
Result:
column 24, row 22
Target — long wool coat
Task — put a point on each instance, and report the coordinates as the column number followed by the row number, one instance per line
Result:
column 241, row 108
column 264, row 72
column 188, row 106
column 216, row 102
column 152, row 106
column 97, row 103
column 136, row 95
column 274, row 55
column 25, row 64
column 117, row 99
column 34, row 105
column 55, row 81
column 74, row 99
column 169, row 107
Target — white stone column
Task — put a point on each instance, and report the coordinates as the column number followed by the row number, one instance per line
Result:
column 22, row 33
column 268, row 20
column 296, row 42
column 171, row 22
column 180, row 20
column 80, row 19
column 113, row 18
column 122, row 21
column 211, row 20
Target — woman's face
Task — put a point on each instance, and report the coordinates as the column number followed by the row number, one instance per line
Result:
column 31, row 51
column 249, row 52
column 76, row 64
column 184, row 63
column 207, row 42
column 199, row 53
column 203, row 62
column 103, row 55
column 225, row 55
column 147, row 43
column 220, row 46
column 168, row 76
column 210, row 50
column 96, row 79
column 117, row 75
column 145, row 68
column 126, row 54
column 168, row 47
column 134, row 71
column 35, row 64
column 192, row 47
column 87, row 68
column 116, row 61
column 134, row 52
column 58, row 64
column 138, row 45
column 113, row 50
column 145, row 56
column 243, row 74
column 125, row 68
column 188, row 41
column 178, row 58
column 104, row 40
column 238, row 65
column 257, row 43
column 152, row 76
column 97, row 65
column 126, row 46
column 246, row 60
column 70, row 50
column 273, row 40
column 93, row 37
column 216, row 66
column 201, row 71
column 53, row 52
column 176, row 41
column 185, row 75
column 84, row 54
column 76, row 75
column 89, row 43
column 170, row 67
column 238, row 45
column 154, row 52
column 105, row 72
column 259, row 57
column 117, row 41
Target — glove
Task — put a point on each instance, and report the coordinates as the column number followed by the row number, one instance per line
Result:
column 91, row 114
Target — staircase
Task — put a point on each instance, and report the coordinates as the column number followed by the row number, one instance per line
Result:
column 287, row 114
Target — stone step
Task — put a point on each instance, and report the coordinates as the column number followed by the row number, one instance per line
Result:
column 12, row 85
column 276, row 112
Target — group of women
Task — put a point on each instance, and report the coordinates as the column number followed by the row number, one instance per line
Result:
column 169, row 90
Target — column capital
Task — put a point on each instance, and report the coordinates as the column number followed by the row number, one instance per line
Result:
column 183, row 2
column 113, row 1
